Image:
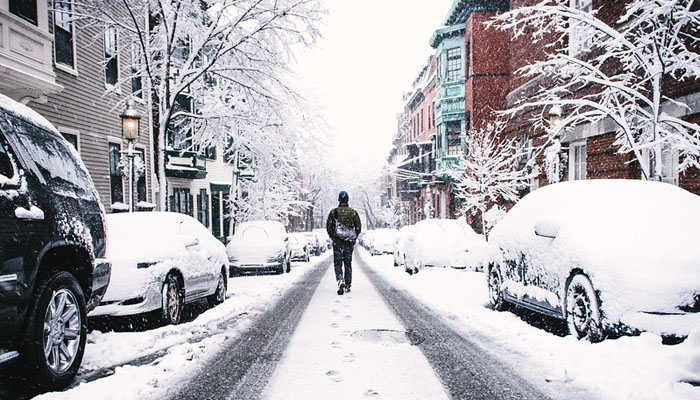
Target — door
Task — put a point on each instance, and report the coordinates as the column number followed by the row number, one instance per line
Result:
column 199, row 273
column 19, row 225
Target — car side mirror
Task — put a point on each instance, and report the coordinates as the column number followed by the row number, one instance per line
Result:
column 547, row 227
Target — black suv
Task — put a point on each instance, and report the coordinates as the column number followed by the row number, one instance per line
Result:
column 52, row 248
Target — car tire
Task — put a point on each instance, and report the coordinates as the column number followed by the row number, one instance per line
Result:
column 495, row 286
column 67, row 331
column 583, row 309
column 220, row 294
column 173, row 300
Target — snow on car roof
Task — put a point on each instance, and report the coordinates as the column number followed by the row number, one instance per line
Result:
column 25, row 112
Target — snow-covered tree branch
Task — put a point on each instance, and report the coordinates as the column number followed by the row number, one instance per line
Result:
column 617, row 71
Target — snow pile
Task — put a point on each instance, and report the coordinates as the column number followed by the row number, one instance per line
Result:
column 562, row 367
column 636, row 240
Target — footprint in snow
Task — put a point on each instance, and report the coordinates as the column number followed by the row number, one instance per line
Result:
column 334, row 311
column 336, row 345
column 350, row 357
column 334, row 325
column 347, row 333
column 348, row 317
column 371, row 393
column 334, row 375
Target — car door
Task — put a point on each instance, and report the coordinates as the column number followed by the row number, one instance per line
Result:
column 199, row 272
column 22, row 234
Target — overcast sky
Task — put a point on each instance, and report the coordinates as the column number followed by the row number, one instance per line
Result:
column 371, row 52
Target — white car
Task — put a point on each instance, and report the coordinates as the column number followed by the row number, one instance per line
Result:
column 259, row 246
column 314, row 243
column 383, row 241
column 299, row 247
column 323, row 236
column 400, row 248
column 437, row 242
column 609, row 256
column 161, row 260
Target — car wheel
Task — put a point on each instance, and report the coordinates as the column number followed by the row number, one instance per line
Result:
column 495, row 285
column 220, row 294
column 173, row 300
column 56, row 331
column 583, row 309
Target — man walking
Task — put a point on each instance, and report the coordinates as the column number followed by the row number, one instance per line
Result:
column 343, row 226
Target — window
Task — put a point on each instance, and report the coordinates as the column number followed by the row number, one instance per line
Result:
column 179, row 138
column 579, row 32
column 181, row 201
column 454, row 64
column 111, row 56
column 210, row 152
column 421, row 120
column 453, row 137
column 577, row 157
column 667, row 169
column 63, row 33
column 25, row 9
column 72, row 138
column 8, row 168
column 116, row 187
column 203, row 207
column 439, row 69
column 136, row 82
column 141, row 179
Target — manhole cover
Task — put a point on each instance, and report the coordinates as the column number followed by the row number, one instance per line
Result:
column 388, row 336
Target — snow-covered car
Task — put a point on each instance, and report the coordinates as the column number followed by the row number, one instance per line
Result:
column 608, row 256
column 323, row 236
column 400, row 248
column 383, row 241
column 314, row 243
column 365, row 239
column 299, row 248
column 436, row 243
column 470, row 251
column 259, row 246
column 161, row 261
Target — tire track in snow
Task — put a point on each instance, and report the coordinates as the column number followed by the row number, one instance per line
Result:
column 466, row 371
column 244, row 365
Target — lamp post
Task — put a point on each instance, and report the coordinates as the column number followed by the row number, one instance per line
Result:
column 556, row 116
column 130, row 132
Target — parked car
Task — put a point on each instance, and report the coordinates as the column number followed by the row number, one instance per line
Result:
column 470, row 251
column 52, row 248
column 162, row 261
column 383, row 241
column 365, row 238
column 400, row 248
column 436, row 243
column 314, row 243
column 259, row 246
column 299, row 247
column 324, row 238
column 608, row 256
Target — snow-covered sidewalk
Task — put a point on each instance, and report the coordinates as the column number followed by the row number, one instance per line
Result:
column 350, row 347
column 563, row 367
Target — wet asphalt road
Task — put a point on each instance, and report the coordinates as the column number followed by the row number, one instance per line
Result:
column 243, row 368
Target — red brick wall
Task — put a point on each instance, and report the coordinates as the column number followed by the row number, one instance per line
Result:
column 603, row 161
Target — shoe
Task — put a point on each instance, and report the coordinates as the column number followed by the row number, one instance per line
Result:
column 341, row 287
column 347, row 289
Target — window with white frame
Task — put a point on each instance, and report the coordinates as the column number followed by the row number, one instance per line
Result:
column 64, row 42
column 577, row 161
column 136, row 81
column 111, row 56
column 667, row 166
column 454, row 64
column 578, row 31
column 454, row 137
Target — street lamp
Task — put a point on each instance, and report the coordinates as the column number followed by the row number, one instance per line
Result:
column 556, row 116
column 130, row 132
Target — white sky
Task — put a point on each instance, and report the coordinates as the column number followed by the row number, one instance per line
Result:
column 370, row 53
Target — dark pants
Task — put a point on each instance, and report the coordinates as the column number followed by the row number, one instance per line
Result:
column 342, row 253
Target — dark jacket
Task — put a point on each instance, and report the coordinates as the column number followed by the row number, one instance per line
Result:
column 348, row 218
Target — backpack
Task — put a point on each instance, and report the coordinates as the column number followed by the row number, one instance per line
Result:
column 343, row 232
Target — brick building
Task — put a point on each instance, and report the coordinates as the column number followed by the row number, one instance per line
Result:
column 589, row 151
